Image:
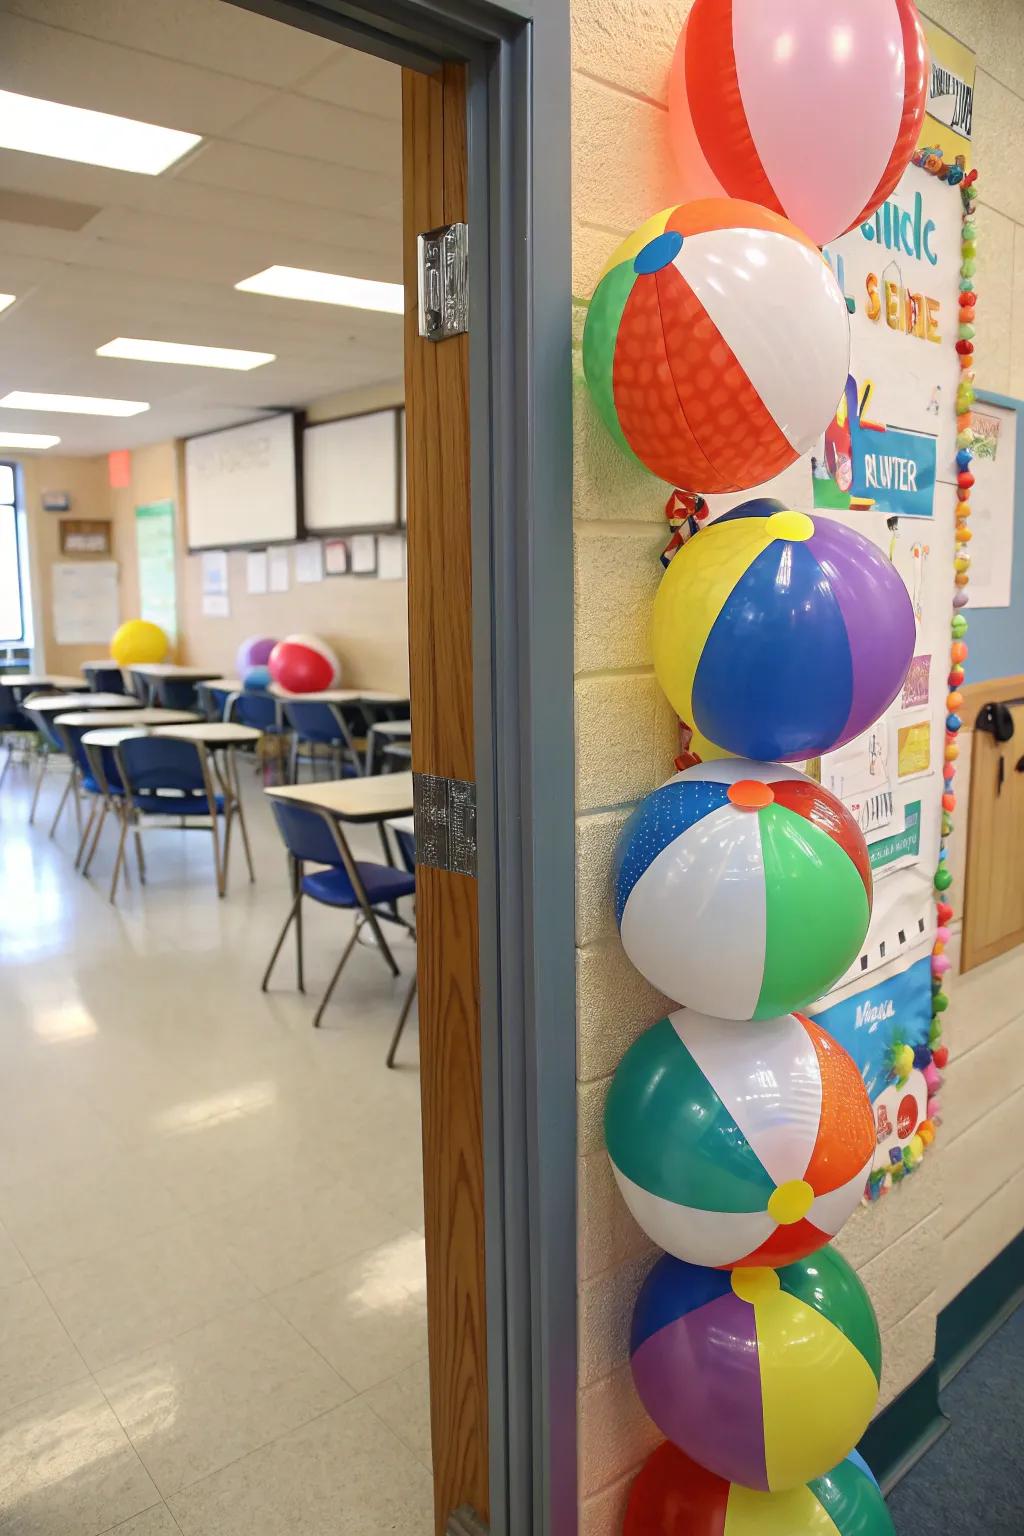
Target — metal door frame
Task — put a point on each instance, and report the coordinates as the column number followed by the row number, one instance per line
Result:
column 517, row 53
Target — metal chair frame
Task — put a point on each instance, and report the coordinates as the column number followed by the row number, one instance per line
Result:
column 367, row 914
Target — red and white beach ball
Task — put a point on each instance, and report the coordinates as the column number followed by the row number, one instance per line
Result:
column 304, row 664
column 812, row 108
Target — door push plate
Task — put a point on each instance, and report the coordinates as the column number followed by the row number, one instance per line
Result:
column 445, row 811
column 443, row 281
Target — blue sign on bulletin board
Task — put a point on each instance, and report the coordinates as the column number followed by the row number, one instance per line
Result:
column 894, row 1011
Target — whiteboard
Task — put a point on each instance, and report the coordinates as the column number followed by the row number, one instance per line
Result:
column 350, row 473
column 85, row 602
column 241, row 485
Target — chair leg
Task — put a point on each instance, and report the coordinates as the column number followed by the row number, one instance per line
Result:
column 140, row 857
column 84, row 839
column 294, row 914
column 39, row 784
column 334, row 979
column 78, row 798
column 293, row 760
column 382, row 943
column 104, row 808
column 233, row 785
column 119, row 860
column 7, row 761
column 62, row 802
column 400, row 1026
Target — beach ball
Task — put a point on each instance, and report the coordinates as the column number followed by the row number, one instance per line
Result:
column 780, row 635
column 767, row 1377
column 257, row 679
column 742, row 889
column 674, row 1496
column 811, row 109
column 717, row 345
column 304, row 664
column 254, row 652
column 137, row 642
column 739, row 1144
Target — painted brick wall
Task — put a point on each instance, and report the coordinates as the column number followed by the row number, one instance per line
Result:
column 923, row 1244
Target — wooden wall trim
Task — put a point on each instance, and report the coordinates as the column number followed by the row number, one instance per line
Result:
column 993, row 690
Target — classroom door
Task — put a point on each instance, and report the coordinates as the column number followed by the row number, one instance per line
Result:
column 441, row 687
column 994, row 894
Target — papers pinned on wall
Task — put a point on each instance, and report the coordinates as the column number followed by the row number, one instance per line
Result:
column 277, row 565
column 363, row 554
column 256, row 572
column 309, row 561
column 391, row 557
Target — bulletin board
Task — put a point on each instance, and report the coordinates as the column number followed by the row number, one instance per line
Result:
column 886, row 467
column 154, row 543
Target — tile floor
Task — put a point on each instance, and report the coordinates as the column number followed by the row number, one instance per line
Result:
column 212, row 1310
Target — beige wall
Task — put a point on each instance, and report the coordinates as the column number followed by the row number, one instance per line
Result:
column 364, row 619
column 923, row 1243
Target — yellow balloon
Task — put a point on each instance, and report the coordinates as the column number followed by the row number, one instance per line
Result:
column 138, row 641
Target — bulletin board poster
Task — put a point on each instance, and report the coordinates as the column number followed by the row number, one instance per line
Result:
column 892, row 439
column 871, row 1022
column 950, row 107
column 993, row 500
column 154, row 542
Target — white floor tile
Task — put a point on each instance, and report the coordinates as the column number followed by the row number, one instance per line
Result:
column 36, row 1354
column 288, row 1233
column 201, row 1401
column 404, row 1405
column 66, row 1467
column 143, row 1293
column 175, row 1144
column 55, row 1220
column 366, row 1316
column 12, row 1265
column 345, row 1474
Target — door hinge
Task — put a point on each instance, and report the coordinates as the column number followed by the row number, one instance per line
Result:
column 443, row 259
column 445, row 811
column 465, row 1522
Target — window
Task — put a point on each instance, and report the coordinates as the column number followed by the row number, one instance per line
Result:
column 12, row 605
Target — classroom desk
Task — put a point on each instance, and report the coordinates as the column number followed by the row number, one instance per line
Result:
column 341, row 696
column 24, row 682
column 171, row 669
column 383, row 734
column 62, row 703
column 217, row 740
column 97, row 718
column 375, row 797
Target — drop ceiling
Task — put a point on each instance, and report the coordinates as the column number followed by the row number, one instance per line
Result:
column 300, row 165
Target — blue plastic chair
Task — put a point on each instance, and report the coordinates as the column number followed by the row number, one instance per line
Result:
column 104, row 789
column 164, row 776
column 106, row 679
column 324, row 725
column 371, row 890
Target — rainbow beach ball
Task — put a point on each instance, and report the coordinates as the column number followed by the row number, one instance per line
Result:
column 739, row 1144
column 742, row 889
column 304, row 664
column 767, row 1377
column 673, row 1496
column 778, row 635
column 717, row 345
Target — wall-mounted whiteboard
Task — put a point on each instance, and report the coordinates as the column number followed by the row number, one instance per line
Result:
column 86, row 610
column 350, row 473
column 241, row 485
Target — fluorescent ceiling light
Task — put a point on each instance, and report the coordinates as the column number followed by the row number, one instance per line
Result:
column 27, row 440
column 184, row 352
column 40, row 127
column 75, row 405
column 6, row 300
column 326, row 288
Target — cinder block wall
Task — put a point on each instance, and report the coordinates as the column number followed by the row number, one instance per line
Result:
column 925, row 1242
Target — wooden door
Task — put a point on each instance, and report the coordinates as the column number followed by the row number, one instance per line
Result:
column 994, row 894
column 441, row 679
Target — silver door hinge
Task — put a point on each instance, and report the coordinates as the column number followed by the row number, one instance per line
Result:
column 443, row 261
column 445, row 812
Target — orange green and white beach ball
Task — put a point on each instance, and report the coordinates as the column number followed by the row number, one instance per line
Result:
column 697, row 366
column 739, row 1144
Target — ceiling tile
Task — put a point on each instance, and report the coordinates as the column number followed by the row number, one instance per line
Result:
column 355, row 80
column 319, row 131
column 216, row 36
